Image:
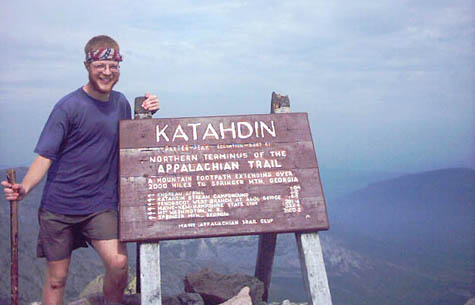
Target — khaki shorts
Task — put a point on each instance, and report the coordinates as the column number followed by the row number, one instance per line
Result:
column 60, row 234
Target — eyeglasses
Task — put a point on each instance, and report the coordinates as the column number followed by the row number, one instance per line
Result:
column 103, row 67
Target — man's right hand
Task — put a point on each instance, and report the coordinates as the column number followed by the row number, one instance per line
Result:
column 13, row 191
column 36, row 172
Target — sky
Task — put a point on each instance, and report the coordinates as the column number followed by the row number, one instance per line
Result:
column 388, row 85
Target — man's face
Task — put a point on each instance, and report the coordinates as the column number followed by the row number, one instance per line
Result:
column 103, row 75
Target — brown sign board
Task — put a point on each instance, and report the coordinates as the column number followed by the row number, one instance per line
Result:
column 218, row 176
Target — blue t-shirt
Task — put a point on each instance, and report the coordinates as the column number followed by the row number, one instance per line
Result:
column 81, row 137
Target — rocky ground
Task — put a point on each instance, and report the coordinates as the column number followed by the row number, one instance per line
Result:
column 206, row 287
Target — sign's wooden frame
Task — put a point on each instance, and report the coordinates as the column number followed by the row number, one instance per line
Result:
column 308, row 244
column 248, row 174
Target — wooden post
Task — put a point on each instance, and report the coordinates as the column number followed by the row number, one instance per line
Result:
column 313, row 269
column 11, row 177
column 138, row 287
column 265, row 260
column 148, row 278
column 267, row 242
column 279, row 104
column 309, row 247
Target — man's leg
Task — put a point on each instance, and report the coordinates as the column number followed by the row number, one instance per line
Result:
column 114, row 256
column 55, row 282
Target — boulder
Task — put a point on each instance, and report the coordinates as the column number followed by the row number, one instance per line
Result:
column 183, row 299
column 95, row 286
column 217, row 288
column 243, row 298
column 190, row 299
column 134, row 299
column 470, row 302
column 98, row 299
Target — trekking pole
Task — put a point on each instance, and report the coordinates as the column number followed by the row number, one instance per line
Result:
column 11, row 177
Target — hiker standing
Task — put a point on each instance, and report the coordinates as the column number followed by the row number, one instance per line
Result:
column 78, row 150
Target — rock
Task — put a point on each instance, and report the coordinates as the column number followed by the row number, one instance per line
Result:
column 287, row 302
column 217, row 288
column 98, row 299
column 243, row 298
column 134, row 299
column 190, row 299
column 92, row 299
column 170, row 301
column 470, row 302
column 95, row 286
column 183, row 299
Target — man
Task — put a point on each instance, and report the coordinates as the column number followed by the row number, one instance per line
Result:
column 78, row 148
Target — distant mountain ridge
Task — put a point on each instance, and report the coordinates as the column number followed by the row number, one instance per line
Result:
column 386, row 245
column 430, row 205
column 422, row 222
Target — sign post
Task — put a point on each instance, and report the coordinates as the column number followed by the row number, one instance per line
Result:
column 267, row 242
column 309, row 247
column 148, row 253
column 217, row 176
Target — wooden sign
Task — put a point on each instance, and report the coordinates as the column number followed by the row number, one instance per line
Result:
column 218, row 176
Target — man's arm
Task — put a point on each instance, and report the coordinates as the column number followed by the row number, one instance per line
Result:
column 35, row 174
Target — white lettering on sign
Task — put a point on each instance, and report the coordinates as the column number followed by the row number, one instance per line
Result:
column 236, row 130
column 264, row 164
column 173, row 158
column 197, row 167
column 179, row 133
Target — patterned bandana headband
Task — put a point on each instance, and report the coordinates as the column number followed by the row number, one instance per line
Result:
column 103, row 54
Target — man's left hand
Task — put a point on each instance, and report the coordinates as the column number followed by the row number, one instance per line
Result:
column 151, row 102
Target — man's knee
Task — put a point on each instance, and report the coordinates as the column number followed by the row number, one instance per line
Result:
column 56, row 274
column 119, row 264
column 118, row 272
column 57, row 283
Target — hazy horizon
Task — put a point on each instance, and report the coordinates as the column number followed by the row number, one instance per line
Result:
column 388, row 86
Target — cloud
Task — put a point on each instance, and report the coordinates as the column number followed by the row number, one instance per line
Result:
column 368, row 72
